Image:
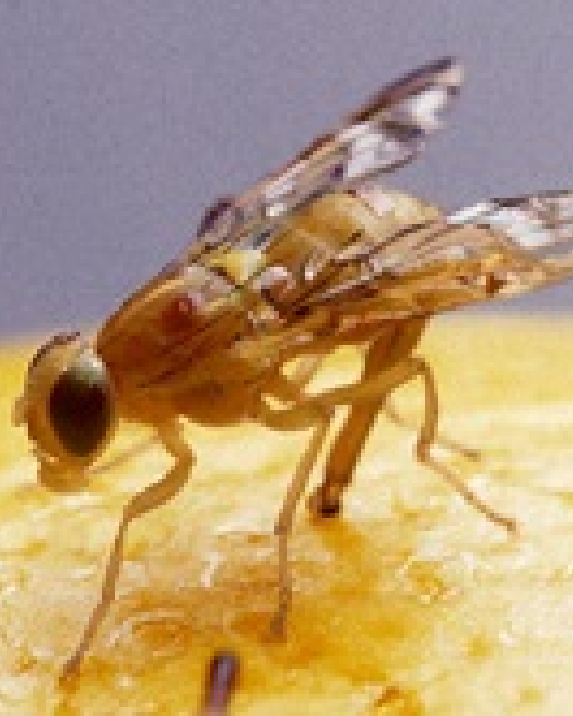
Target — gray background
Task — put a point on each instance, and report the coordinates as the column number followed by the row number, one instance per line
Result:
column 121, row 121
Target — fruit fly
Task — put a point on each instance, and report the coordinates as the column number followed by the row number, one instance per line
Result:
column 316, row 256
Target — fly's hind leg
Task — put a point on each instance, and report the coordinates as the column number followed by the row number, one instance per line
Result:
column 440, row 439
column 347, row 448
column 370, row 393
column 391, row 347
column 148, row 499
column 424, row 456
column 326, row 501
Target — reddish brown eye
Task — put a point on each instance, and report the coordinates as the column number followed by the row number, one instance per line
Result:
column 81, row 406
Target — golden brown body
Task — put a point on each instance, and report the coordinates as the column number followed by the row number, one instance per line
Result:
column 184, row 347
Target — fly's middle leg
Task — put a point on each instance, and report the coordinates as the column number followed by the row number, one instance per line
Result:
column 302, row 415
column 283, row 525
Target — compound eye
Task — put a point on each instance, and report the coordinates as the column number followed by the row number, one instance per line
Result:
column 80, row 407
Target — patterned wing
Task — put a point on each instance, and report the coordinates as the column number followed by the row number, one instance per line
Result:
column 387, row 132
column 499, row 247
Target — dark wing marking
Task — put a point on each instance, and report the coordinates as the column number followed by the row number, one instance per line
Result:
column 387, row 132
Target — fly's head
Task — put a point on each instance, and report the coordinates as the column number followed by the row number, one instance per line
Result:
column 68, row 409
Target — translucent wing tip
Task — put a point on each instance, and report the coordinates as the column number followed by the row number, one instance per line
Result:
column 520, row 244
column 540, row 223
column 392, row 127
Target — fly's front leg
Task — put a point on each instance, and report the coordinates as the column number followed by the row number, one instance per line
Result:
column 148, row 499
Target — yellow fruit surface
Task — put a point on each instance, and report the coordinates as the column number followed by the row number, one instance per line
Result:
column 411, row 603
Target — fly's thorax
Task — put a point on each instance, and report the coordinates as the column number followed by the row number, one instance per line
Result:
column 68, row 408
